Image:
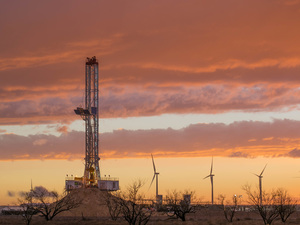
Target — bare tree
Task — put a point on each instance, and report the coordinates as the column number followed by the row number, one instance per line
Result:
column 132, row 205
column 268, row 208
column 229, row 208
column 177, row 205
column 286, row 205
column 28, row 209
column 49, row 203
column 112, row 201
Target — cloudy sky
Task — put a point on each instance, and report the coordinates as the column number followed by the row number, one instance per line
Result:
column 178, row 79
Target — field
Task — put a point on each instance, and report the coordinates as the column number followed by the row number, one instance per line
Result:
column 201, row 217
column 93, row 211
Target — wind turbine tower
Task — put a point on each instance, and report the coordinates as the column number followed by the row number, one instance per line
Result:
column 211, row 175
column 155, row 176
column 260, row 184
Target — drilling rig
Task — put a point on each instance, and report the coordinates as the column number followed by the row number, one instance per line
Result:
column 90, row 114
column 91, row 117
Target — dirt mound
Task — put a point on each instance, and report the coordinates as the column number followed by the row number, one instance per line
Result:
column 93, row 203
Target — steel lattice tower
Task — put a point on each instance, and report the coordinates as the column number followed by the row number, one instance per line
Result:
column 91, row 117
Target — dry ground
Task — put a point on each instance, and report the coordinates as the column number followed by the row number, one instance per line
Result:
column 202, row 217
column 95, row 212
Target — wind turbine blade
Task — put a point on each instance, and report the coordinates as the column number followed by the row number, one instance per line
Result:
column 263, row 169
column 255, row 174
column 211, row 168
column 206, row 177
column 153, row 164
column 152, row 181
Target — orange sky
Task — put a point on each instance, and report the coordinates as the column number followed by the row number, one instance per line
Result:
column 224, row 59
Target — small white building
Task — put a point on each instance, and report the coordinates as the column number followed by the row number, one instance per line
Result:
column 108, row 184
column 72, row 183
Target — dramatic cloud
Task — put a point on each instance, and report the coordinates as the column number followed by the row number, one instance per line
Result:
column 155, row 57
column 295, row 153
column 239, row 139
column 154, row 100
column 239, row 155
column 67, row 146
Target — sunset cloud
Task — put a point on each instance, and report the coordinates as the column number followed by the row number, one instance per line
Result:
column 295, row 153
column 154, row 58
column 15, row 147
column 62, row 129
column 239, row 155
column 151, row 101
column 68, row 56
column 195, row 140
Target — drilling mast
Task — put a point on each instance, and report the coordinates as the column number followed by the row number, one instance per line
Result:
column 90, row 114
column 91, row 117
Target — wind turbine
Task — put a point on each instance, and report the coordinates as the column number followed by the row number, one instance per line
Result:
column 211, row 175
column 155, row 175
column 260, row 184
